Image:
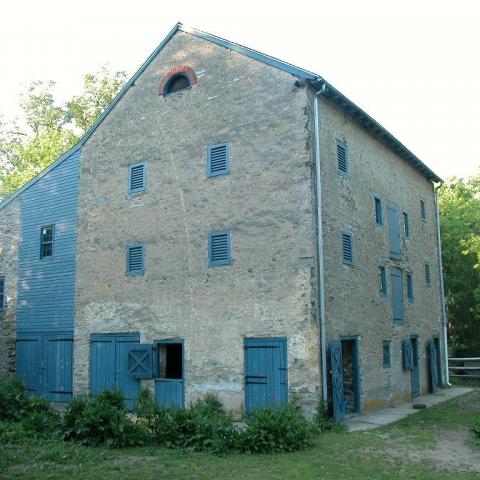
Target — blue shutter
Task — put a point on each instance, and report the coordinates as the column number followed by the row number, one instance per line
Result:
column 2, row 293
column 387, row 357
column 423, row 212
column 378, row 212
column 140, row 360
column 406, row 225
column 135, row 259
column 218, row 159
column 336, row 366
column 393, row 231
column 347, row 248
column 428, row 279
column 407, row 354
column 219, row 248
column 342, row 158
column 137, row 177
column 410, row 287
column 397, row 296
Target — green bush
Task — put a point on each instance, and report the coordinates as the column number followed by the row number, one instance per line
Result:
column 12, row 398
column 203, row 426
column 40, row 418
column 476, row 432
column 282, row 429
column 102, row 420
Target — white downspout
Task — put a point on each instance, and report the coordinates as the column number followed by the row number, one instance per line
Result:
column 321, row 273
column 442, row 291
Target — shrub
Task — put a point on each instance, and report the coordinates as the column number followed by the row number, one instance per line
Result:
column 282, row 429
column 102, row 420
column 12, row 399
column 322, row 422
column 39, row 417
column 476, row 432
column 203, row 426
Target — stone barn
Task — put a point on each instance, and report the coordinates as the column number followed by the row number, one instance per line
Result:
column 230, row 224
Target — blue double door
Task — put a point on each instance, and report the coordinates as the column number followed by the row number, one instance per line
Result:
column 266, row 382
column 109, row 367
column 44, row 363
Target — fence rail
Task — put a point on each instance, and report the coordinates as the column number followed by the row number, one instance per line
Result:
column 469, row 368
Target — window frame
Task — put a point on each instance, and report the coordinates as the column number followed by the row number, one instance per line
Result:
column 128, row 271
column 387, row 362
column 342, row 144
column 144, row 187
column 378, row 211
column 226, row 171
column 345, row 261
column 228, row 260
column 3, row 293
column 43, row 243
column 409, row 280
column 382, row 277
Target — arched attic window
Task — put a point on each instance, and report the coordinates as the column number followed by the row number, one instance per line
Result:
column 178, row 82
column 177, row 79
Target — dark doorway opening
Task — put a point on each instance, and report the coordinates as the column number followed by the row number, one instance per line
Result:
column 436, row 342
column 351, row 377
column 170, row 356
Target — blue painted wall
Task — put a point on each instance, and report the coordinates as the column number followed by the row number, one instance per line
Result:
column 46, row 287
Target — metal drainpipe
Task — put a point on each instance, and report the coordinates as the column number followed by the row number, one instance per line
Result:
column 442, row 291
column 321, row 272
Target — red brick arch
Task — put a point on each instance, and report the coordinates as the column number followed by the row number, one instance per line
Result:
column 184, row 70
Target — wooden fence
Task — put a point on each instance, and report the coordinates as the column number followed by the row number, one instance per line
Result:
column 468, row 368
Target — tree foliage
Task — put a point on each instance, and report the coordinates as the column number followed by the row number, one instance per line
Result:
column 460, row 220
column 48, row 128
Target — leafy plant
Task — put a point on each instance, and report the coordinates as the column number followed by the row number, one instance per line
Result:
column 12, row 399
column 102, row 420
column 282, row 429
column 476, row 432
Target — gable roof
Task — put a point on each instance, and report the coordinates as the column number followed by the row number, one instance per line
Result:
column 312, row 79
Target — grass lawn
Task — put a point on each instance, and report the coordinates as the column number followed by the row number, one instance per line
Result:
column 433, row 444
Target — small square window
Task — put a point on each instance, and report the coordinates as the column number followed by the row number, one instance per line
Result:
column 218, row 159
column 410, row 287
column 342, row 158
column 423, row 211
column 135, row 259
column 378, row 212
column 382, row 280
column 137, row 177
column 46, row 241
column 347, row 248
column 428, row 278
column 387, row 354
column 2, row 293
column 219, row 248
column 406, row 225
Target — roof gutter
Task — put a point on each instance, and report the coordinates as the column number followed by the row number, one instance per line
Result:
column 442, row 288
column 320, row 255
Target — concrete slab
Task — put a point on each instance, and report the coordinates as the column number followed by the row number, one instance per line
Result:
column 399, row 410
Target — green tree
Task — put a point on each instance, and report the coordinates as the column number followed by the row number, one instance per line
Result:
column 460, row 220
column 48, row 128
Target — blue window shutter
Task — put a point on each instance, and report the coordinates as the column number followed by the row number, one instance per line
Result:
column 2, row 293
column 407, row 354
column 410, row 287
column 135, row 259
column 428, row 279
column 137, row 177
column 382, row 280
column 423, row 211
column 378, row 212
column 347, row 248
column 406, row 225
column 218, row 159
column 397, row 295
column 393, row 231
column 387, row 357
column 219, row 248
column 140, row 360
column 342, row 158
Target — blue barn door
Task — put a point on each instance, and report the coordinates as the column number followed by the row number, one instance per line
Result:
column 109, row 365
column 432, row 361
column 415, row 371
column 336, row 364
column 44, row 363
column 169, row 373
column 29, row 362
column 266, row 383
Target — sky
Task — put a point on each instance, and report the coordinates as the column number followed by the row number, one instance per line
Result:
column 414, row 66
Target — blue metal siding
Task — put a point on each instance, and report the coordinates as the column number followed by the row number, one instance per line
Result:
column 46, row 292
